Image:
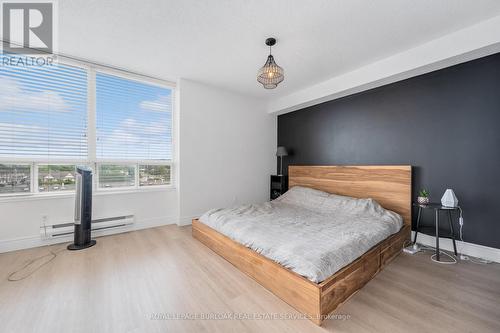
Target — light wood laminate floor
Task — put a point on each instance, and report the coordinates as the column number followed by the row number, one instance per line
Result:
column 130, row 282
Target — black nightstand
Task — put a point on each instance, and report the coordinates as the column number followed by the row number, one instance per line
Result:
column 436, row 231
column 279, row 185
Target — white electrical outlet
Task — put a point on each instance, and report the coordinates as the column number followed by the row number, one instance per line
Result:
column 45, row 220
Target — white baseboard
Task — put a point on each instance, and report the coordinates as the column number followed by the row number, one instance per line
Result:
column 14, row 244
column 468, row 249
column 20, row 243
column 186, row 220
column 8, row 245
column 155, row 222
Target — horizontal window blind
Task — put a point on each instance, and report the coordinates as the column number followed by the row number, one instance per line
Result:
column 134, row 119
column 43, row 113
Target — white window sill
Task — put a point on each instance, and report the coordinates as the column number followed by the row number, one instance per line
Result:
column 100, row 192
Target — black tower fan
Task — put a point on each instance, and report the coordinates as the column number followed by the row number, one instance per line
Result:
column 83, row 209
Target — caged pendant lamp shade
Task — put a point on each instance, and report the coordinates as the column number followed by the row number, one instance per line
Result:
column 270, row 75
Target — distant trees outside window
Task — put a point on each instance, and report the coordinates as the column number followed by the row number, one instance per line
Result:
column 150, row 175
column 15, row 178
column 52, row 178
column 112, row 175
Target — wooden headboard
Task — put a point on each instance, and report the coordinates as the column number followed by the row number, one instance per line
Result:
column 389, row 185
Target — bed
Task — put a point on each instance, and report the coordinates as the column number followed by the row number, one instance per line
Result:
column 316, row 278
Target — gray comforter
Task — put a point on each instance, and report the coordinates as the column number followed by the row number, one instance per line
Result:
column 312, row 233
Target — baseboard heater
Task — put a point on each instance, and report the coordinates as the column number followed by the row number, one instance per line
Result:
column 98, row 225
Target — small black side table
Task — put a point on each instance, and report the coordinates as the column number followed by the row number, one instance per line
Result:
column 279, row 185
column 436, row 231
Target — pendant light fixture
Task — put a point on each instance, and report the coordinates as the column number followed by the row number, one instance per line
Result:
column 270, row 75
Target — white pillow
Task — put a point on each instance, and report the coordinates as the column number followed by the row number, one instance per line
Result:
column 331, row 204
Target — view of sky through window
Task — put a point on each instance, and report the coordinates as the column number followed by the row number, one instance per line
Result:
column 43, row 115
column 133, row 119
column 44, row 120
column 43, row 112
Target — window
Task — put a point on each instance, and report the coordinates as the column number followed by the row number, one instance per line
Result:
column 43, row 113
column 56, row 178
column 134, row 120
column 15, row 178
column 113, row 175
column 150, row 175
column 47, row 127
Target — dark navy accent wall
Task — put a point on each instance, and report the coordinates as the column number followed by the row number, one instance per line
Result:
column 445, row 123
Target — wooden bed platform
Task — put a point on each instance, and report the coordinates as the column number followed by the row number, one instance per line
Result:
column 388, row 185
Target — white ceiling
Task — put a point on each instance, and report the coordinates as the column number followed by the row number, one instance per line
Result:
column 221, row 42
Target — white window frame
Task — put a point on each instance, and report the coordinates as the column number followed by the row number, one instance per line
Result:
column 92, row 160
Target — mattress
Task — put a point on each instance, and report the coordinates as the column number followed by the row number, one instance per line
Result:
column 310, row 232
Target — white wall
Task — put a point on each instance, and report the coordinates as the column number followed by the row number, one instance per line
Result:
column 225, row 154
column 21, row 218
column 470, row 43
column 227, row 147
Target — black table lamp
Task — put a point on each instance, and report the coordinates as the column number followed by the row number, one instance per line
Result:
column 280, row 152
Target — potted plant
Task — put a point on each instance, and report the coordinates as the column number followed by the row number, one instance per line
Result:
column 423, row 197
